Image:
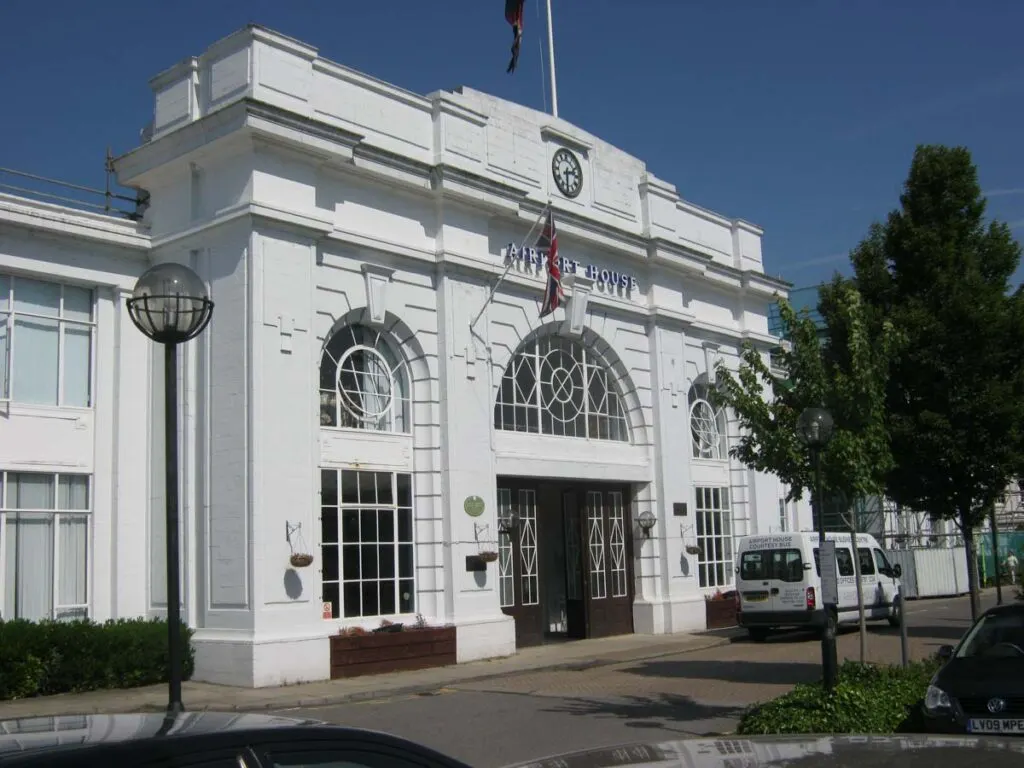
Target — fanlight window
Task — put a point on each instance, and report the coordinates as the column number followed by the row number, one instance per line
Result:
column 363, row 383
column 555, row 386
column 708, row 425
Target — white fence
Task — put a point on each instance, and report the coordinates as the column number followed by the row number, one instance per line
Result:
column 932, row 571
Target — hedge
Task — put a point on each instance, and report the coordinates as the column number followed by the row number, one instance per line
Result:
column 40, row 659
column 866, row 699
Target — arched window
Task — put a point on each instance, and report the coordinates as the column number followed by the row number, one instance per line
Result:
column 556, row 386
column 708, row 425
column 363, row 383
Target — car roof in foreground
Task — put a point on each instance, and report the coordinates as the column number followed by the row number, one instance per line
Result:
column 910, row 751
column 34, row 735
column 114, row 728
column 114, row 736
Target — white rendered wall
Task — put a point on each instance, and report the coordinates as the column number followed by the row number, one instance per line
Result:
column 281, row 203
column 107, row 441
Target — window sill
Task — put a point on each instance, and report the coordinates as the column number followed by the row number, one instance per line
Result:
column 370, row 623
column 71, row 413
column 358, row 431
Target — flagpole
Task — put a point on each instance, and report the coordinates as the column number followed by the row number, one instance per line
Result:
column 551, row 63
column 508, row 266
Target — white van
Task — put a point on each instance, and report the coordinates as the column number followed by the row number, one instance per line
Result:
column 778, row 582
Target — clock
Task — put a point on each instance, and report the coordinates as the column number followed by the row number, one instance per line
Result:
column 568, row 174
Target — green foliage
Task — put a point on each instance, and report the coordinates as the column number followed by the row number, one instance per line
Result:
column 940, row 274
column 847, row 378
column 866, row 699
column 39, row 659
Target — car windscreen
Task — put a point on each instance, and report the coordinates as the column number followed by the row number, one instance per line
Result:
column 995, row 634
column 765, row 564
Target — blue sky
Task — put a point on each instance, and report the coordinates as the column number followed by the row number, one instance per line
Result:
column 800, row 116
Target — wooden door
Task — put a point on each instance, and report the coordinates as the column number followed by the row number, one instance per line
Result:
column 607, row 572
column 575, row 604
column 518, row 565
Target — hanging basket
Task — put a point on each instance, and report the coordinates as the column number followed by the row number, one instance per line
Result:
column 692, row 550
column 488, row 557
column 301, row 560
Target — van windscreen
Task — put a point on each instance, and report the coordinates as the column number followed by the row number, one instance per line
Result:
column 778, row 564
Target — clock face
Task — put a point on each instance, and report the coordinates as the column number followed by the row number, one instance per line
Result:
column 567, row 172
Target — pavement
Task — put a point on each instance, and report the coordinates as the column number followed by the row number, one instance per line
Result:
column 581, row 654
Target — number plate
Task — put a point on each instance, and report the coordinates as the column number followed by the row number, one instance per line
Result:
column 996, row 725
column 755, row 597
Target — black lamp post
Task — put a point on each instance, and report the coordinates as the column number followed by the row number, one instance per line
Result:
column 171, row 304
column 814, row 428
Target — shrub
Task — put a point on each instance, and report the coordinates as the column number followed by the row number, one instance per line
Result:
column 866, row 699
column 39, row 659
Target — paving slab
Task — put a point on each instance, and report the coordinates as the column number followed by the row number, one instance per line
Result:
column 579, row 654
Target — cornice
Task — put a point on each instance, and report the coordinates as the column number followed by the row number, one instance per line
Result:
column 568, row 139
column 445, row 104
column 599, row 233
column 761, row 340
column 67, row 222
column 243, row 119
column 474, row 189
column 763, row 285
column 372, row 84
column 174, row 73
column 311, row 226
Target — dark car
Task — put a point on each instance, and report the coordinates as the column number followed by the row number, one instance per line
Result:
column 204, row 740
column 980, row 688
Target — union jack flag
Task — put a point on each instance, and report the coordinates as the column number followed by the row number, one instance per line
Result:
column 553, row 295
column 514, row 16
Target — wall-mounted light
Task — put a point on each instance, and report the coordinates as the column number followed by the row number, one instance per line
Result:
column 646, row 521
column 508, row 522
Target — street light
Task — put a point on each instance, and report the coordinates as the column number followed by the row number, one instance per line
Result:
column 814, row 428
column 171, row 305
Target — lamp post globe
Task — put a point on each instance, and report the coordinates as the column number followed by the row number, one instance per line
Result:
column 170, row 304
column 814, row 427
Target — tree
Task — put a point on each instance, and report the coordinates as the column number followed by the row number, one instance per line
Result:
column 938, row 274
column 847, row 376
column 808, row 373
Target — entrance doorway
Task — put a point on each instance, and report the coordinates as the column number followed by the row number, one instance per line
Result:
column 565, row 569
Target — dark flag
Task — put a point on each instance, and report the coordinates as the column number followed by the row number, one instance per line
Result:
column 514, row 16
column 553, row 295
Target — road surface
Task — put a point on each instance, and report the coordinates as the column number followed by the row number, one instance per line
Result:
column 509, row 719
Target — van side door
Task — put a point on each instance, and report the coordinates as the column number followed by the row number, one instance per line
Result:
column 887, row 577
column 871, row 586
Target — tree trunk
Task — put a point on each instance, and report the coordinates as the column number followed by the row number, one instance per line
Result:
column 995, row 553
column 863, row 630
column 972, row 567
column 851, row 522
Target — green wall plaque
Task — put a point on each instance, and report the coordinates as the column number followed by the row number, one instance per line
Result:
column 474, row 506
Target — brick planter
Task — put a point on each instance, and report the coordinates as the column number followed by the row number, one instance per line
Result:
column 720, row 613
column 374, row 654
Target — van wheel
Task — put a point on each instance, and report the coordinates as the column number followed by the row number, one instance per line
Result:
column 758, row 634
column 896, row 617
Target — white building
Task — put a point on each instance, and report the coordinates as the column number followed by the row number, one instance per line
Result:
column 342, row 402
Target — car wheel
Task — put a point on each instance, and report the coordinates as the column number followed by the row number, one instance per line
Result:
column 896, row 617
column 758, row 634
